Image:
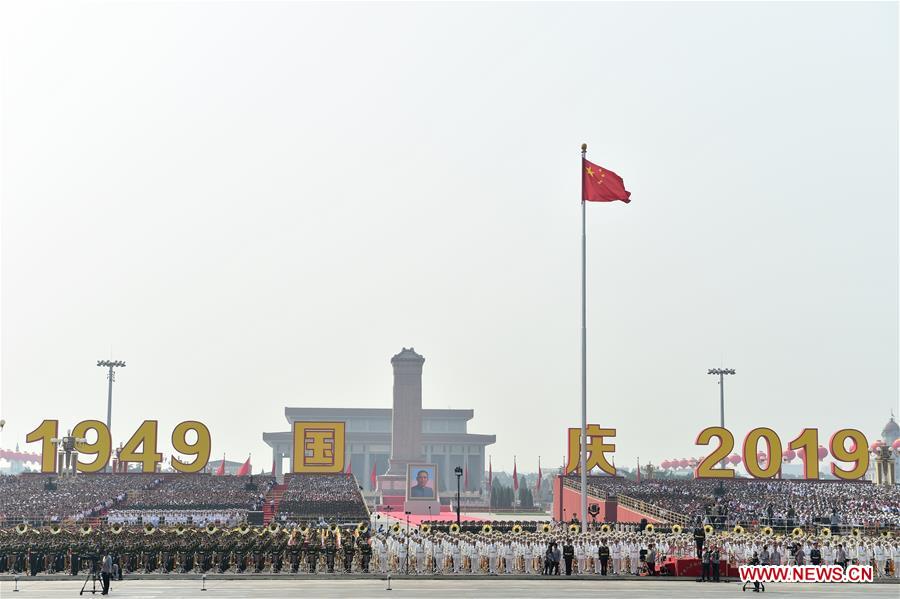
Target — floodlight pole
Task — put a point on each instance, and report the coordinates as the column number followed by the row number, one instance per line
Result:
column 111, row 375
column 721, row 372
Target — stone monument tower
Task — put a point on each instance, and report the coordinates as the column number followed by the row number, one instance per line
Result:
column 406, row 418
column 406, row 435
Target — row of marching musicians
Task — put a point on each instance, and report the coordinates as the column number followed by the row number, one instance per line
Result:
column 355, row 550
column 616, row 553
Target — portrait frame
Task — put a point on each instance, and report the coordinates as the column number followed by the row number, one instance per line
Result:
column 412, row 471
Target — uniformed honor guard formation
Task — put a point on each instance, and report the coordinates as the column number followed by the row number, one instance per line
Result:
column 534, row 549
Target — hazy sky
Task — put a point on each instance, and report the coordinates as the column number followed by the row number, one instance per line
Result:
column 257, row 204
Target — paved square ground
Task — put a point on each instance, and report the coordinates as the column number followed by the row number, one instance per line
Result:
column 457, row 589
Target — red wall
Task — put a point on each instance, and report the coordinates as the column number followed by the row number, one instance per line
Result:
column 571, row 504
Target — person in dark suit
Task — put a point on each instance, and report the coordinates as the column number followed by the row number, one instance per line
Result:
column 699, row 537
column 603, row 554
column 421, row 490
column 568, row 556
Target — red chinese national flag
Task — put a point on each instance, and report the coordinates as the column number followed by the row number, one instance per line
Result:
column 220, row 471
column 466, row 484
column 540, row 475
column 244, row 470
column 373, row 478
column 601, row 185
column 515, row 477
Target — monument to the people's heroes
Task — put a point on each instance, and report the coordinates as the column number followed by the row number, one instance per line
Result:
column 406, row 435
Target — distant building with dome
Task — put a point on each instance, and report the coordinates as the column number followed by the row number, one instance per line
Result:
column 889, row 435
column 891, row 431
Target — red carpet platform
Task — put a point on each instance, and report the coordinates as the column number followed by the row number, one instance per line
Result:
column 690, row 567
column 444, row 516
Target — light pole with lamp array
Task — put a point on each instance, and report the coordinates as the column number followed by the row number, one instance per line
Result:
column 458, row 471
column 111, row 375
column 721, row 372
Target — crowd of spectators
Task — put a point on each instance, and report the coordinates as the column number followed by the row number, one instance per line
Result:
column 776, row 502
column 202, row 492
column 74, row 497
column 329, row 496
column 51, row 498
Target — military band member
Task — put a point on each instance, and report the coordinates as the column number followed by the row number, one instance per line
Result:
column 349, row 551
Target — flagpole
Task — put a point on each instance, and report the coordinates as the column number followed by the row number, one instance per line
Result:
column 583, row 344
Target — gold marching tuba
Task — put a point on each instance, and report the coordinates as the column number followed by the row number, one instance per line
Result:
column 179, row 530
column 55, row 529
column 149, row 529
column 116, row 528
column 243, row 528
column 649, row 528
column 210, row 528
column 797, row 532
column 546, row 528
column 273, row 527
column 425, row 528
column 396, row 528
column 738, row 529
column 86, row 529
column 517, row 528
column 454, row 528
column 676, row 528
column 486, row 529
column 576, row 528
column 21, row 528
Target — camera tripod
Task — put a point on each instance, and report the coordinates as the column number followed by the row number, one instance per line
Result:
column 93, row 578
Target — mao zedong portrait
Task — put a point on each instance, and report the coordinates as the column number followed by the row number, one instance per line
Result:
column 422, row 489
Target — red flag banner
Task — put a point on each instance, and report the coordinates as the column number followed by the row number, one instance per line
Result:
column 466, row 483
column 244, row 470
column 540, row 475
column 373, row 480
column 220, row 471
column 515, row 477
column 490, row 474
column 349, row 467
column 601, row 185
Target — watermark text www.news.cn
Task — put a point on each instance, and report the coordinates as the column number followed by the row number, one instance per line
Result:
column 853, row 573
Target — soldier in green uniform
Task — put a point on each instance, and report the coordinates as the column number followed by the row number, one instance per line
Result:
column 349, row 551
column 330, row 551
column 365, row 553
column 312, row 556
